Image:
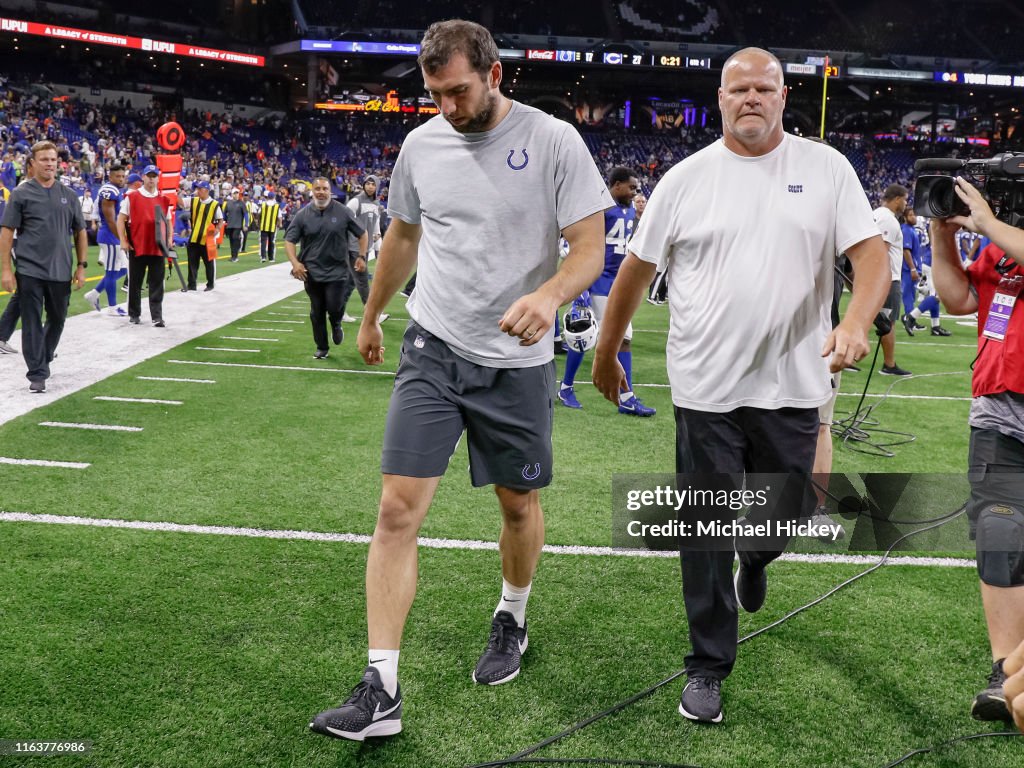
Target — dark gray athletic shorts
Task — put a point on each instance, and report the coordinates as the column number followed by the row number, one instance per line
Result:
column 506, row 413
column 894, row 302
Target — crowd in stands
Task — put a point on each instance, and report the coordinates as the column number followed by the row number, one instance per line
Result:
column 282, row 153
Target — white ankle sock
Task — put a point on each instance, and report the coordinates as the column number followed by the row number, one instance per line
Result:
column 513, row 600
column 386, row 663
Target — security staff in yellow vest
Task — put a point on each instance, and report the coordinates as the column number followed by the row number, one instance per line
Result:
column 270, row 212
column 206, row 217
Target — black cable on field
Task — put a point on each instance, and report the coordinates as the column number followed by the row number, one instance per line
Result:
column 951, row 742
column 890, row 520
column 523, row 757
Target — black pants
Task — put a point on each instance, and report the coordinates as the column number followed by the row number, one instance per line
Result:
column 197, row 253
column 234, row 240
column 9, row 318
column 267, row 246
column 245, row 236
column 411, row 285
column 324, row 304
column 38, row 344
column 356, row 280
column 743, row 440
column 142, row 267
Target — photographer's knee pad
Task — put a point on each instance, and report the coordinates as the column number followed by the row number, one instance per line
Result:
column 1000, row 540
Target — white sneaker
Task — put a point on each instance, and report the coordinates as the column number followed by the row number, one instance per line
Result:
column 383, row 316
column 347, row 318
column 7, row 349
column 93, row 297
column 821, row 520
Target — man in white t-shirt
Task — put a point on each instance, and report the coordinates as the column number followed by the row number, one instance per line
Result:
column 894, row 203
column 752, row 221
column 478, row 199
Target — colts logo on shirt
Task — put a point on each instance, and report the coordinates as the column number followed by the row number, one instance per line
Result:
column 520, row 166
column 796, row 187
column 334, row 219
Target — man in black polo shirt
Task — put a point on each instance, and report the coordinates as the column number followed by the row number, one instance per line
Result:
column 44, row 213
column 322, row 228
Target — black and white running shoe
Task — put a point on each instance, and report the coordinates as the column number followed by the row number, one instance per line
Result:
column 990, row 704
column 369, row 711
column 702, row 699
column 505, row 649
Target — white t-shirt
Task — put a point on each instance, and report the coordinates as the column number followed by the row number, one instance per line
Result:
column 491, row 207
column 892, row 233
column 750, row 244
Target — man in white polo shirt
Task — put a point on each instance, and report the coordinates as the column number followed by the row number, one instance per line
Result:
column 748, row 230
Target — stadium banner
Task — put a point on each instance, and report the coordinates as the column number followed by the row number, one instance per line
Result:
column 149, row 45
column 389, row 103
column 838, row 513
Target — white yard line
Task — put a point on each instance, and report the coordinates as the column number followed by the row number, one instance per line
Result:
column 430, row 543
column 244, row 338
column 268, row 330
column 282, row 367
column 44, row 463
column 97, row 427
column 137, row 400
column 171, row 378
column 227, row 349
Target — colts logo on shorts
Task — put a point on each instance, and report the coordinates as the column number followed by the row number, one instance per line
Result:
column 419, row 342
column 531, row 473
column 514, row 167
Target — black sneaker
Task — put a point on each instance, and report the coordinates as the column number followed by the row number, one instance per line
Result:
column 320, row 354
column 938, row 330
column 337, row 334
column 852, row 369
column 158, row 324
column 893, row 370
column 369, row 711
column 207, row 288
column 134, row 320
column 39, row 387
column 505, row 648
column 990, row 704
column 909, row 324
column 702, row 700
column 751, row 587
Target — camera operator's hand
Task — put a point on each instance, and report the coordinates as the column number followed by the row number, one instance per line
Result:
column 981, row 218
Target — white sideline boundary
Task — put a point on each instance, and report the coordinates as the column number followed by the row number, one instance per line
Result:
column 171, row 378
column 430, row 543
column 95, row 346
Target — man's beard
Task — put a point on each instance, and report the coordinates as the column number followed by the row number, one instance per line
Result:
column 322, row 205
column 480, row 120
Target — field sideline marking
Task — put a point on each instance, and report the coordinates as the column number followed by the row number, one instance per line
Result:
column 138, row 400
column 269, row 330
column 915, row 343
column 281, row 367
column 578, row 381
column 285, row 322
column 244, row 338
column 429, row 543
column 169, row 378
column 100, row 427
column 44, row 463
column 227, row 349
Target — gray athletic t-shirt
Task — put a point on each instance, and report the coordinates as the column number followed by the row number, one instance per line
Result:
column 1003, row 413
column 44, row 220
column 491, row 206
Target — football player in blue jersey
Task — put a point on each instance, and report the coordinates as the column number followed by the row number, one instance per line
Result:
column 916, row 241
column 619, row 220
column 115, row 261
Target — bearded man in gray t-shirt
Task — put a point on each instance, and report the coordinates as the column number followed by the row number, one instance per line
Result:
column 479, row 198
